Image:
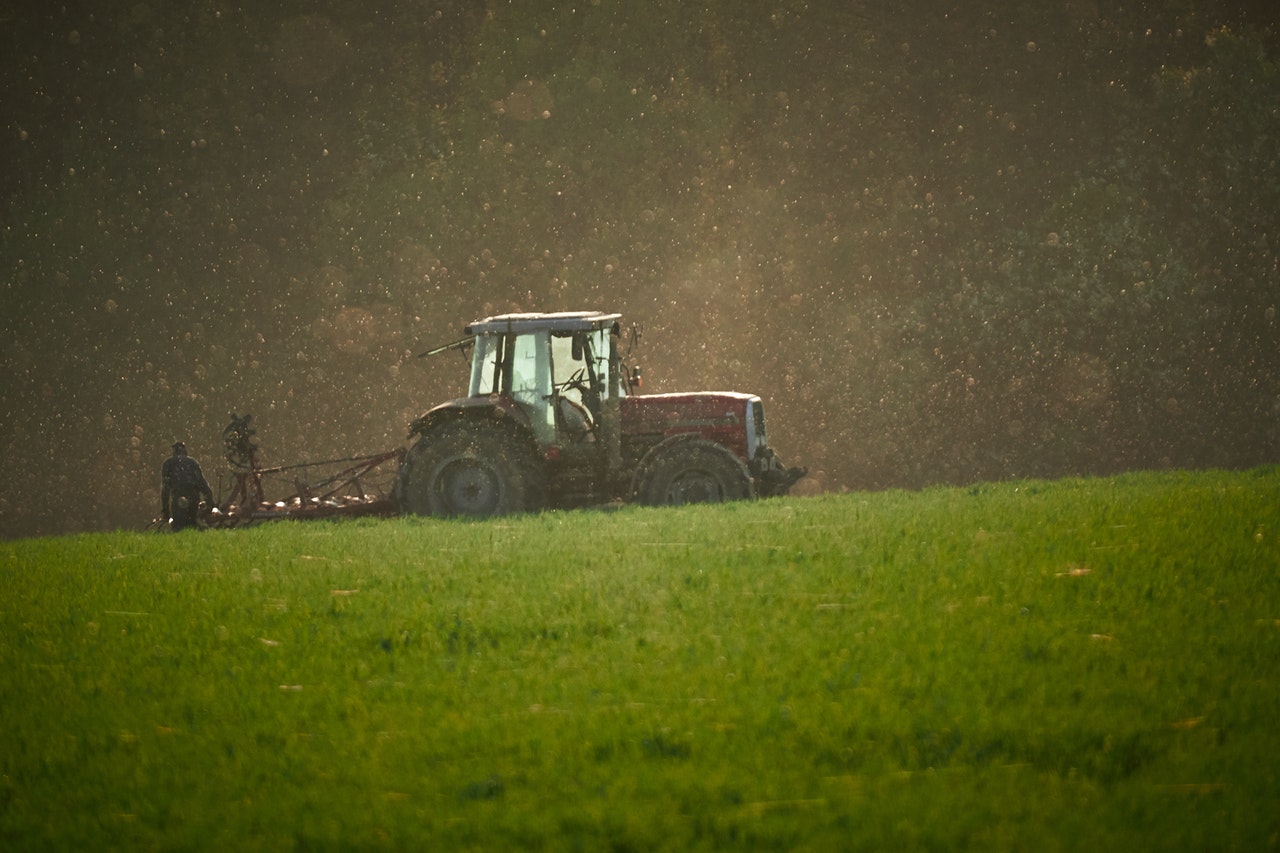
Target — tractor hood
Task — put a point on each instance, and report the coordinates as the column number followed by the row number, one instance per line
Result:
column 727, row 417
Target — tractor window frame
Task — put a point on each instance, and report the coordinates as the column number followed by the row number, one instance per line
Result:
column 486, row 366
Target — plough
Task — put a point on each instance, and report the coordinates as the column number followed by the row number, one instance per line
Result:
column 360, row 487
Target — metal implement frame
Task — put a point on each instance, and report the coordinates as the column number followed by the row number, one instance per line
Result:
column 342, row 494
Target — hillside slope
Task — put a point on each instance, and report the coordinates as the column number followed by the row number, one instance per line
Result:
column 1070, row 665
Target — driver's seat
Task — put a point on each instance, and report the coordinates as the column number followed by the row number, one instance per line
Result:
column 573, row 420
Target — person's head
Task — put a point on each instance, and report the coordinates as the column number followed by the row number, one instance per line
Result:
column 179, row 448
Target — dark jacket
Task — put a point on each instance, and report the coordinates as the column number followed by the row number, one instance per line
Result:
column 181, row 477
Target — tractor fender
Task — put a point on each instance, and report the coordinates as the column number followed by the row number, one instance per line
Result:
column 655, row 452
column 496, row 407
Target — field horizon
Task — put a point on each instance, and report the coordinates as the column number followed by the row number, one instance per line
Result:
column 1079, row 664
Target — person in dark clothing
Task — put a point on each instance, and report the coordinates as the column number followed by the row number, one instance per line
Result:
column 182, row 485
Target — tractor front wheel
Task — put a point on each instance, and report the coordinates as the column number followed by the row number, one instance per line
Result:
column 692, row 471
column 470, row 468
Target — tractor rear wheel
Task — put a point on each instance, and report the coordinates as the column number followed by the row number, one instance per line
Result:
column 692, row 471
column 470, row 468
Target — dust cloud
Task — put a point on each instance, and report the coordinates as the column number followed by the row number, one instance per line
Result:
column 945, row 243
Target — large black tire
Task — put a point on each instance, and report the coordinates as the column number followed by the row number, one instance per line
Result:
column 473, row 468
column 692, row 471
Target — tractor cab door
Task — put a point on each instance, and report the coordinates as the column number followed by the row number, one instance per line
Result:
column 576, row 404
column 580, row 377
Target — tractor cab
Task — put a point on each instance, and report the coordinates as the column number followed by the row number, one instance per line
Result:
column 561, row 369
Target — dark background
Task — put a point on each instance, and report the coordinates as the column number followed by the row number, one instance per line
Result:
column 947, row 243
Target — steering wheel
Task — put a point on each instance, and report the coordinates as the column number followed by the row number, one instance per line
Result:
column 577, row 382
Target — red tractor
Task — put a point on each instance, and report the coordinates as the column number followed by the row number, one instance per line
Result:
column 551, row 420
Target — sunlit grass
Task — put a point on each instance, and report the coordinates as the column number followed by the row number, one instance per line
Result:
column 1066, row 665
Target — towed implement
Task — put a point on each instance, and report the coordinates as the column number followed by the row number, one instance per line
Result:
column 349, row 487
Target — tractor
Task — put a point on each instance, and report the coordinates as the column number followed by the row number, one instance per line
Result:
column 552, row 420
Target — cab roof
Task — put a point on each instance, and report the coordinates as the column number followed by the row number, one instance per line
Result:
column 563, row 321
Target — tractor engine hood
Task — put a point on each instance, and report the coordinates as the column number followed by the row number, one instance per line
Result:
column 727, row 417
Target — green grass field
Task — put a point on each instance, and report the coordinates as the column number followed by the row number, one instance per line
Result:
column 1074, row 665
